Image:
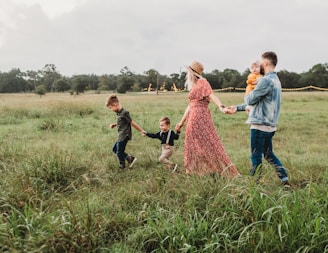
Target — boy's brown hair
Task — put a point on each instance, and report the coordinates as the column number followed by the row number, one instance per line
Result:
column 113, row 99
column 166, row 120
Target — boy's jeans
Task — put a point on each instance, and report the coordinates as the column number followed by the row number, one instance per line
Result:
column 119, row 150
column 261, row 144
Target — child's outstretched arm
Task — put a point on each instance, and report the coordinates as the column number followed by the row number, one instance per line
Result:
column 151, row 135
column 144, row 133
column 177, row 135
column 136, row 126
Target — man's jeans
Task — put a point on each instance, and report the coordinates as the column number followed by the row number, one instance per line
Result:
column 261, row 144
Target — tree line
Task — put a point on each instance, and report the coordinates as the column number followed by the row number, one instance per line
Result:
column 49, row 79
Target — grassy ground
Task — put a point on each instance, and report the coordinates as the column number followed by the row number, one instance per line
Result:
column 61, row 190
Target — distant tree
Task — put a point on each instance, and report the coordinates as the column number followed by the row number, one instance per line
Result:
column 289, row 79
column 214, row 78
column 17, row 81
column 243, row 78
column 112, row 82
column 175, row 79
column 104, row 82
column 80, row 83
column 140, row 82
column 167, row 82
column 62, row 84
column 231, row 78
column 125, row 71
column 40, row 90
column 33, row 78
column 182, row 80
column 317, row 76
column 135, row 87
column 124, row 84
column 125, row 80
column 13, row 81
column 49, row 76
column 93, row 82
column 152, row 77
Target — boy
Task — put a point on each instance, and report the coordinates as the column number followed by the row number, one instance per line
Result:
column 123, row 124
column 167, row 138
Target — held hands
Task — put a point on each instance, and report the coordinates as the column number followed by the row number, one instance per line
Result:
column 230, row 109
column 178, row 127
column 222, row 107
column 143, row 133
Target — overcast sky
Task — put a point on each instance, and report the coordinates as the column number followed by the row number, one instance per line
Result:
column 103, row 36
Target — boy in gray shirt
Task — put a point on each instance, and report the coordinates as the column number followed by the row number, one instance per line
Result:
column 123, row 124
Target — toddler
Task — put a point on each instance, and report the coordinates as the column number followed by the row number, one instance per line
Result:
column 253, row 77
column 167, row 137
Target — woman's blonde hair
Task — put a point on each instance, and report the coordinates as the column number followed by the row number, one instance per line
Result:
column 191, row 79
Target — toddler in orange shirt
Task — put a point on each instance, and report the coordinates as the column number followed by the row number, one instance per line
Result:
column 253, row 77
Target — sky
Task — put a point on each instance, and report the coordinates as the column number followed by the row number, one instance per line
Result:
column 104, row 36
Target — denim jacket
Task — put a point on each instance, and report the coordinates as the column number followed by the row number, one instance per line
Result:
column 265, row 99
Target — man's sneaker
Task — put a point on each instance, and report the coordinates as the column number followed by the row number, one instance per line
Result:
column 175, row 168
column 132, row 160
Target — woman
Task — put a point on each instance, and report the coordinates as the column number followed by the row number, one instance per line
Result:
column 203, row 151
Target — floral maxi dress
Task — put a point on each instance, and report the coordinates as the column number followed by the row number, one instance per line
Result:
column 203, row 151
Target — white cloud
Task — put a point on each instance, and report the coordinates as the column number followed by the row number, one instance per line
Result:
column 50, row 7
column 99, row 36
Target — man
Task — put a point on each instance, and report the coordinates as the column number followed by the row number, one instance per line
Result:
column 263, row 118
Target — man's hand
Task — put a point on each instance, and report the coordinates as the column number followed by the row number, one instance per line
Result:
column 230, row 109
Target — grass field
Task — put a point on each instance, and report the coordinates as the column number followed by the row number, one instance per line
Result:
column 62, row 191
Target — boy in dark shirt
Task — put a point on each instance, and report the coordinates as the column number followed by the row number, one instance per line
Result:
column 123, row 124
column 167, row 137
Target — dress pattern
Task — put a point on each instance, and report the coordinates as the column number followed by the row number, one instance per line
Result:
column 203, row 150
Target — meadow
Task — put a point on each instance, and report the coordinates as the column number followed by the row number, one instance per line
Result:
column 62, row 191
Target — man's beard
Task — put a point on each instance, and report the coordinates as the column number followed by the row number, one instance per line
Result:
column 261, row 70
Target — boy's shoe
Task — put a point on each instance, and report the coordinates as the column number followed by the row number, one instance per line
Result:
column 288, row 185
column 122, row 165
column 175, row 168
column 132, row 160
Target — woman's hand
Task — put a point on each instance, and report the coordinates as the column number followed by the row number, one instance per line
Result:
column 230, row 109
column 178, row 127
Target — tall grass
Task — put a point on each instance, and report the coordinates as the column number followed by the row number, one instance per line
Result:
column 62, row 191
